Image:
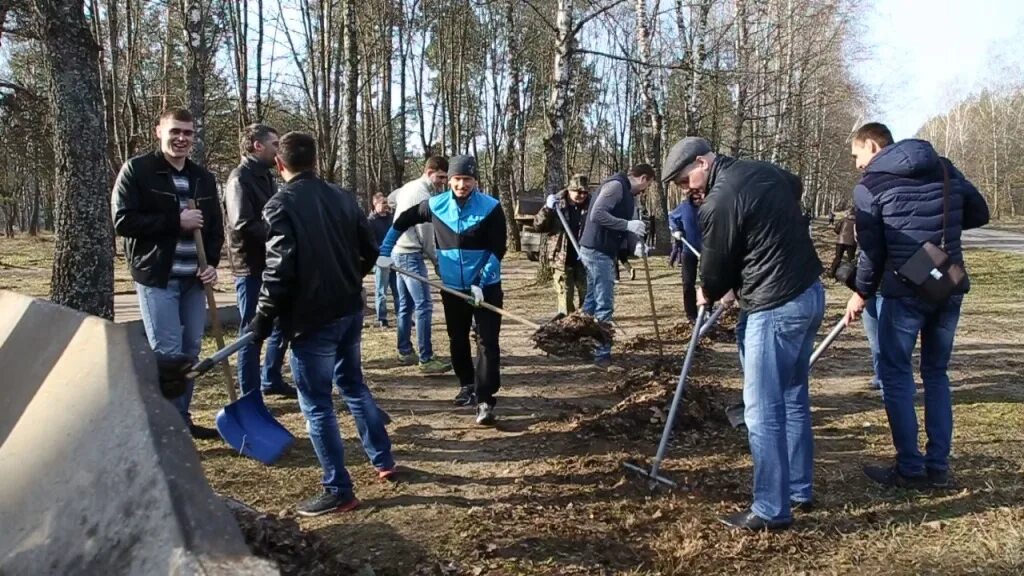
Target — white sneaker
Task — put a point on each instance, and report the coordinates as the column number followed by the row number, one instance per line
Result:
column 484, row 414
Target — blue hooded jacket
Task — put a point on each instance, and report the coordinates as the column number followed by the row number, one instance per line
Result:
column 470, row 237
column 898, row 205
column 684, row 219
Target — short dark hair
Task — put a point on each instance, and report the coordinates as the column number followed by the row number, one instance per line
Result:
column 178, row 114
column 876, row 132
column 641, row 170
column 252, row 134
column 435, row 163
column 297, row 151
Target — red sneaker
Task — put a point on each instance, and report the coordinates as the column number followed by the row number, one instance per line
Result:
column 387, row 475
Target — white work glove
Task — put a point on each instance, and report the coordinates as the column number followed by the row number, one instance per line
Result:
column 385, row 262
column 678, row 235
column 637, row 227
column 551, row 202
column 478, row 294
column 641, row 250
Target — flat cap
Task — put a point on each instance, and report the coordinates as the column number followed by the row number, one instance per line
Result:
column 682, row 154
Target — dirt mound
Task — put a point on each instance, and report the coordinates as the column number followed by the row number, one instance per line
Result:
column 574, row 335
column 281, row 540
column 647, row 398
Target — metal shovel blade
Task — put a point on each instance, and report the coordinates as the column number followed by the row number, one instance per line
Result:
column 735, row 415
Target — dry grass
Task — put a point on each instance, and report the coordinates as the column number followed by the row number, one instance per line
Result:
column 26, row 264
column 543, row 493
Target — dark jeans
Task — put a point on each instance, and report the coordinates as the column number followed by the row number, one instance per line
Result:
column 331, row 354
column 459, row 316
column 250, row 375
column 851, row 253
column 688, row 271
column 900, row 321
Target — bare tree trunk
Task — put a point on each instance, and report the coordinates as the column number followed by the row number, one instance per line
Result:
column 196, row 15
column 554, row 143
column 661, row 233
column 348, row 164
column 83, row 263
column 742, row 41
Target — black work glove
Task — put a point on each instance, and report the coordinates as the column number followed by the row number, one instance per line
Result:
column 261, row 327
column 171, row 369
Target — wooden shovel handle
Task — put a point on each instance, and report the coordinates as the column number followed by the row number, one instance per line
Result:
column 211, row 305
column 466, row 297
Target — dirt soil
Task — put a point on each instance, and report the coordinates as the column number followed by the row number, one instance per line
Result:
column 544, row 491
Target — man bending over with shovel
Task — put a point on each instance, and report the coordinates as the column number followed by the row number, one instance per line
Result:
column 469, row 233
column 751, row 246
column 319, row 248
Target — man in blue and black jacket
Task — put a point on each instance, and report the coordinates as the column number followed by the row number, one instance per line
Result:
column 469, row 235
column 899, row 206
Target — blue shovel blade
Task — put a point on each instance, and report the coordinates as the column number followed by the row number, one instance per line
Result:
column 247, row 426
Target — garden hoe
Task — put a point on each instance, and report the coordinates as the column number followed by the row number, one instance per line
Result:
column 735, row 412
column 653, row 475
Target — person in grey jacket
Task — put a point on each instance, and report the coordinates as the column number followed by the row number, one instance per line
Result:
column 611, row 221
column 411, row 252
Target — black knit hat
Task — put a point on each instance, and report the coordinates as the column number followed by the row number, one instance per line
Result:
column 462, row 166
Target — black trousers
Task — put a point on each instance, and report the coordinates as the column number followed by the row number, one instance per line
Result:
column 485, row 377
column 688, row 271
column 851, row 252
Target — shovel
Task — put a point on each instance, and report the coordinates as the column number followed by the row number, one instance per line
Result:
column 467, row 298
column 245, row 424
column 653, row 475
column 735, row 412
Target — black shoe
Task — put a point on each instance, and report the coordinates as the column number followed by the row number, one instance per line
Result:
column 465, row 397
column 485, row 414
column 890, row 477
column 283, row 392
column 326, row 502
column 202, row 432
column 801, row 506
column 747, row 520
column 940, row 480
column 382, row 324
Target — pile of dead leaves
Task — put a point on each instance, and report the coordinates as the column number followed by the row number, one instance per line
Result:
column 647, row 398
column 574, row 335
column 282, row 541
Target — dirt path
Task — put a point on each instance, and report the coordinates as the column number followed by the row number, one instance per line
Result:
column 544, row 493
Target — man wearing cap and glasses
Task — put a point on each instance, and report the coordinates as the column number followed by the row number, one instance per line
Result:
column 752, row 246
column 570, row 277
column 469, row 235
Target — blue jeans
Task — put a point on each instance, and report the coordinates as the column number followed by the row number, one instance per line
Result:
column 332, row 353
column 775, row 349
column 250, row 376
column 174, row 318
column 384, row 280
column 870, row 319
column 600, row 300
column 414, row 295
column 900, row 320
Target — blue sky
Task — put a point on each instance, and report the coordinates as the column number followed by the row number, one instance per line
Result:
column 921, row 56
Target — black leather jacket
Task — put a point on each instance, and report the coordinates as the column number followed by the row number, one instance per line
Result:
column 755, row 237
column 319, row 248
column 249, row 188
column 146, row 214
